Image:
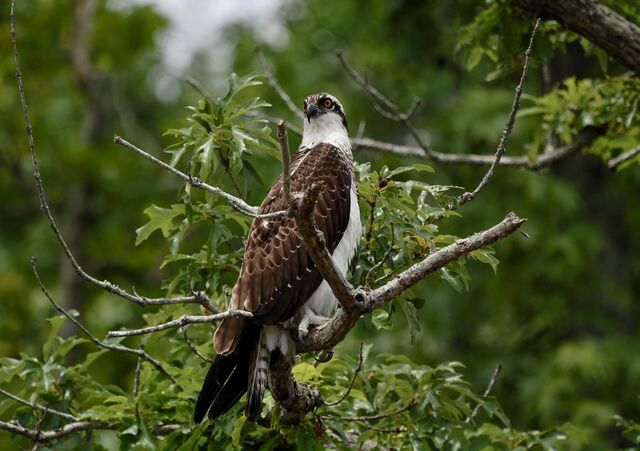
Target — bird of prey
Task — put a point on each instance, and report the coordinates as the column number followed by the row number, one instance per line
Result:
column 278, row 282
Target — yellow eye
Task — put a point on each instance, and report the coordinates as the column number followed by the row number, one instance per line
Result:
column 328, row 103
column 304, row 106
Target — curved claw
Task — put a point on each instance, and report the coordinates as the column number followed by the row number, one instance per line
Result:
column 323, row 356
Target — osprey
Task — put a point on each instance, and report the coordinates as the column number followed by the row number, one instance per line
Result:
column 279, row 283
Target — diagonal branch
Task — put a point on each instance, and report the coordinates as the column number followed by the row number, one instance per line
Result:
column 46, row 210
column 302, row 210
column 36, row 406
column 502, row 146
column 333, row 332
column 273, row 82
column 237, row 203
column 103, row 344
column 625, row 156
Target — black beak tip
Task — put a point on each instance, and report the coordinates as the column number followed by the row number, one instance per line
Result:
column 312, row 111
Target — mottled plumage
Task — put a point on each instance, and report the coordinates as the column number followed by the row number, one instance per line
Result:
column 278, row 276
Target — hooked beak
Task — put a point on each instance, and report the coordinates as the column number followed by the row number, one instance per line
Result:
column 312, row 111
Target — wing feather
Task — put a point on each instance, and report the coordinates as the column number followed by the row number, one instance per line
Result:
column 277, row 275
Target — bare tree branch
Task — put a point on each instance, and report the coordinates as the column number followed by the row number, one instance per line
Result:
column 380, row 416
column 237, row 203
column 295, row 398
column 333, row 332
column 192, row 346
column 180, row 322
column 487, row 391
column 36, row 406
column 353, row 381
column 625, row 156
column 50, row 435
column 273, row 82
column 389, row 109
column 502, row 146
column 103, row 344
column 618, row 36
column 46, row 210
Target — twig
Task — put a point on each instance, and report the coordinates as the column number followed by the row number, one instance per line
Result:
column 46, row 210
column 50, row 435
column 237, row 203
column 629, row 154
column 582, row 140
column 353, row 380
column 377, row 266
column 192, row 346
column 391, row 110
column 37, row 406
column 111, row 347
column 502, row 146
column 380, row 416
column 273, row 82
column 136, row 377
column 182, row 321
column 286, row 162
column 487, row 391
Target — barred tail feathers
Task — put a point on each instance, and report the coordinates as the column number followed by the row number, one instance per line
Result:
column 258, row 377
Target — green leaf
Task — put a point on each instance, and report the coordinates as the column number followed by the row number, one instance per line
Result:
column 380, row 319
column 411, row 313
column 159, row 218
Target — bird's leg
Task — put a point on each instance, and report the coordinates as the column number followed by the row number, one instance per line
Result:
column 309, row 318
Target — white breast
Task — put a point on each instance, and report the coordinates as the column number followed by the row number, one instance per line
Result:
column 322, row 301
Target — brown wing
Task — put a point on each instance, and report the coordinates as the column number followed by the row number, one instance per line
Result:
column 277, row 275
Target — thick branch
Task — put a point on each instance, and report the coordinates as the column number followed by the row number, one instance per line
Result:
column 184, row 320
column 618, row 36
column 295, row 398
column 303, row 211
column 333, row 332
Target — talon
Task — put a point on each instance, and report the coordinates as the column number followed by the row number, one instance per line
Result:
column 323, row 356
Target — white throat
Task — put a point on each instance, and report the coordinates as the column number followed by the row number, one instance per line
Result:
column 326, row 128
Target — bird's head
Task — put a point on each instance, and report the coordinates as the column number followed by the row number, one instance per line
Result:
column 323, row 111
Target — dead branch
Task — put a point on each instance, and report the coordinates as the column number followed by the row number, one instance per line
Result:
column 192, row 346
column 502, row 146
column 625, row 156
column 36, row 406
column 353, row 381
column 39, row 436
column 103, row 344
column 273, row 82
column 487, row 391
column 184, row 320
column 333, row 332
column 46, row 210
column 237, row 203
column 295, row 398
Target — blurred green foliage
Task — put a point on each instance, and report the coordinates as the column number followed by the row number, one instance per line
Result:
column 560, row 313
